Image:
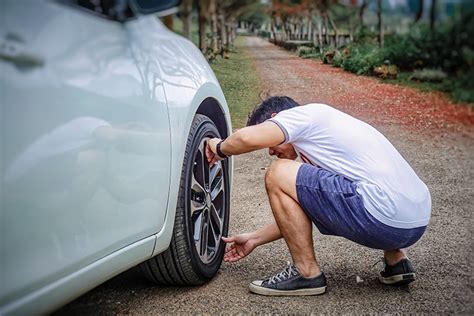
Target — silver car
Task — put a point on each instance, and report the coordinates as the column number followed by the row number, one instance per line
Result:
column 105, row 116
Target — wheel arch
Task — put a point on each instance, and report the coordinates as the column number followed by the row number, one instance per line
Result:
column 208, row 100
column 211, row 108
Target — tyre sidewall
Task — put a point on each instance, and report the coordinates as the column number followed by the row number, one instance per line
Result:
column 206, row 271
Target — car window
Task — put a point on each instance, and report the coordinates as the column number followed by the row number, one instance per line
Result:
column 117, row 10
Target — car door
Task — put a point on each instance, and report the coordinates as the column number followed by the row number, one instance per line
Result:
column 85, row 144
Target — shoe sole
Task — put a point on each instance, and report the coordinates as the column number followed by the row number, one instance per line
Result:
column 399, row 279
column 271, row 292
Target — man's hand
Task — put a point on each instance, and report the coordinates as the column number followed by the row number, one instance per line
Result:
column 241, row 246
column 211, row 151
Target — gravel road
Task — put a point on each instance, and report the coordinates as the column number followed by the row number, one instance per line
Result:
column 435, row 136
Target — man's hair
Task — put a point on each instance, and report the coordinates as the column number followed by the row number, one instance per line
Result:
column 264, row 110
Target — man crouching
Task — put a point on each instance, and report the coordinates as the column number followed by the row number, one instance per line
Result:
column 352, row 183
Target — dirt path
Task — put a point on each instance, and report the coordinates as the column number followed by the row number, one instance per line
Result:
column 379, row 103
column 432, row 134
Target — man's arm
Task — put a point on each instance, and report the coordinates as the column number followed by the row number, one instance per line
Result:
column 243, row 244
column 247, row 139
column 267, row 234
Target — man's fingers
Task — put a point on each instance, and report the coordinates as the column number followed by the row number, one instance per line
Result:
column 234, row 259
column 228, row 239
column 229, row 249
column 209, row 154
column 231, row 253
column 214, row 160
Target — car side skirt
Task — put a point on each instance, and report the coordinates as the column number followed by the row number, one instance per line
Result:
column 62, row 291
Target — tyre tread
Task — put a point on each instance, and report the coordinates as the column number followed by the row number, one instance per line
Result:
column 173, row 266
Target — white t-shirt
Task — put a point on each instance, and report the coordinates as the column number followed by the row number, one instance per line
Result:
column 326, row 137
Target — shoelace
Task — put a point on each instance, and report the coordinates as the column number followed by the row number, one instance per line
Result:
column 381, row 260
column 288, row 272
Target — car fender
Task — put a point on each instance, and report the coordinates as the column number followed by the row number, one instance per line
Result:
column 181, row 121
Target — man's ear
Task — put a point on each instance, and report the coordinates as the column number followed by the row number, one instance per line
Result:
column 273, row 114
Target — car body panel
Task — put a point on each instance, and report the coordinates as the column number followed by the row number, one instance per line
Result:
column 188, row 81
column 65, row 289
column 86, row 168
column 78, row 161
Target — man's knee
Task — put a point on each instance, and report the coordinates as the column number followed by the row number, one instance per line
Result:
column 275, row 174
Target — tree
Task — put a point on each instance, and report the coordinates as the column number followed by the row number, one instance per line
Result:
column 203, row 6
column 323, row 7
column 213, row 18
column 222, row 27
column 186, row 11
column 419, row 11
column 380, row 22
column 432, row 14
column 363, row 7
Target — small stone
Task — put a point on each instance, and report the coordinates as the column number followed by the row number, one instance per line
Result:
column 359, row 279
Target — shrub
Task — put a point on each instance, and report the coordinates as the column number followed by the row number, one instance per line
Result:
column 386, row 71
column 338, row 59
column 315, row 55
column 304, row 50
column 363, row 59
column 448, row 47
column 460, row 87
column 428, row 75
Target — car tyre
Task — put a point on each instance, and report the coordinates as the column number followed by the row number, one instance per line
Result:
column 202, row 216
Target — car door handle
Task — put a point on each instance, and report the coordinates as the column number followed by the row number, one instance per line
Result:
column 15, row 52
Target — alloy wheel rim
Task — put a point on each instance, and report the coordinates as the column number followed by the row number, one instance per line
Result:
column 207, row 201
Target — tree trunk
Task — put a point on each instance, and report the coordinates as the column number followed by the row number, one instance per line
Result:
column 320, row 35
column 326, row 29
column 186, row 10
column 419, row 13
column 310, row 28
column 286, row 33
column 234, row 31
column 202, row 9
column 380, row 22
column 231, row 28
column 213, row 18
column 273, row 22
column 432, row 14
column 333, row 25
column 168, row 22
column 229, row 35
column 297, row 28
column 363, row 7
column 222, row 29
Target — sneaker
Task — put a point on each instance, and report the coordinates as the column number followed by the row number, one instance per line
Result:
column 399, row 274
column 289, row 282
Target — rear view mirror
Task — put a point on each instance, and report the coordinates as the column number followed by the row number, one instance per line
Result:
column 156, row 6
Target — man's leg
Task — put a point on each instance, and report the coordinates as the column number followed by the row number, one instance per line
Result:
column 394, row 256
column 294, row 224
column 398, row 269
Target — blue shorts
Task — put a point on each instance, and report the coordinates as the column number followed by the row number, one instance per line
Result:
column 335, row 207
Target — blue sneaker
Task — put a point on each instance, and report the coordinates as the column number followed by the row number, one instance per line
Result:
column 289, row 282
column 401, row 273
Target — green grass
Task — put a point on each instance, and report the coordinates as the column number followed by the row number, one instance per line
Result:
column 239, row 81
column 403, row 79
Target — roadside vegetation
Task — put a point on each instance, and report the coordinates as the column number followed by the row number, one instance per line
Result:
column 425, row 44
column 440, row 59
column 239, row 81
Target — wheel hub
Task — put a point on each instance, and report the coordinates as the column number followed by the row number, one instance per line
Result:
column 208, row 199
column 207, row 204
